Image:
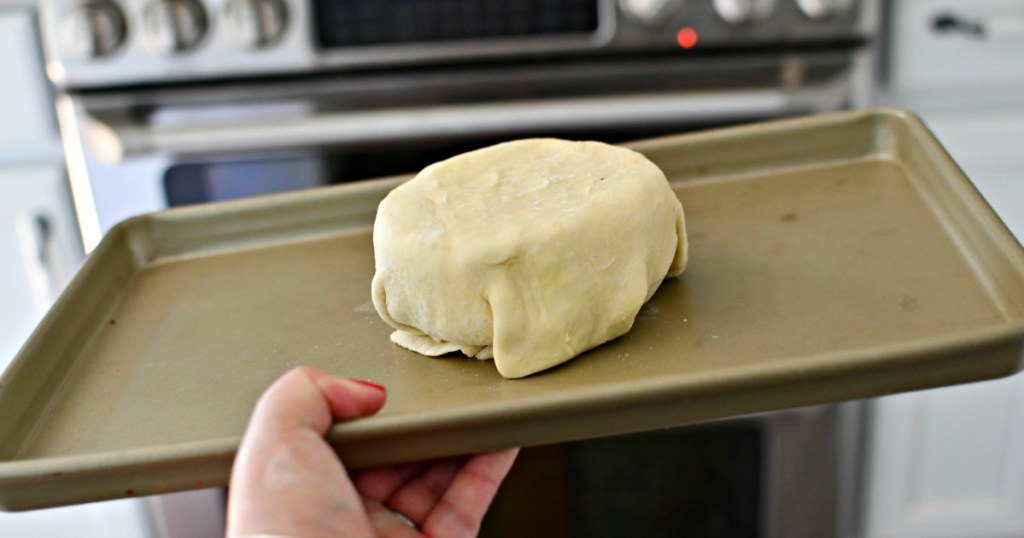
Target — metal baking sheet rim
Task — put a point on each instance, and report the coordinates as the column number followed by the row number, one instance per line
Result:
column 394, row 432
column 998, row 348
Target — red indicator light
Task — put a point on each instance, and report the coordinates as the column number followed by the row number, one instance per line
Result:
column 686, row 38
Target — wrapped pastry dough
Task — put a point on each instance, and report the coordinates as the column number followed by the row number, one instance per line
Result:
column 529, row 252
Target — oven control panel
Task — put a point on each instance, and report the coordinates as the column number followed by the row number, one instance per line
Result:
column 109, row 43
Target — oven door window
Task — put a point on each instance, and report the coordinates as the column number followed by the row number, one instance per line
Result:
column 196, row 183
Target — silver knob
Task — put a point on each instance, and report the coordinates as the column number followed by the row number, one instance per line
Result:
column 254, row 24
column 651, row 11
column 173, row 26
column 820, row 9
column 743, row 11
column 93, row 30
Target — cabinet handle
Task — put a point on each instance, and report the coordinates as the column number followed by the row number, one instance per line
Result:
column 54, row 264
column 947, row 22
column 44, row 239
column 1004, row 26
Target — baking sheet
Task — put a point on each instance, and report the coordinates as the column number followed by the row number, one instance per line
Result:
column 832, row 257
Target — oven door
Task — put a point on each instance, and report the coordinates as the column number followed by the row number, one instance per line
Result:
column 788, row 474
column 139, row 150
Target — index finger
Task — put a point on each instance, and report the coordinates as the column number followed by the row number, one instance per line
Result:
column 463, row 506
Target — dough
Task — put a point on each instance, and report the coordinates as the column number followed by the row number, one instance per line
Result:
column 529, row 252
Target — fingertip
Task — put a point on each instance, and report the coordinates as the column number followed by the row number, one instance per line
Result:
column 350, row 398
column 308, row 397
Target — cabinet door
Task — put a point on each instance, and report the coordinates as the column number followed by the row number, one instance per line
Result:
column 948, row 463
column 38, row 248
column 39, row 251
column 956, row 49
column 28, row 129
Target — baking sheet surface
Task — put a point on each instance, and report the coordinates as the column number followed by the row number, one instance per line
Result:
column 830, row 280
column 783, row 268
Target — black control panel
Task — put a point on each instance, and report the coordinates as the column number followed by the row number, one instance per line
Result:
column 353, row 23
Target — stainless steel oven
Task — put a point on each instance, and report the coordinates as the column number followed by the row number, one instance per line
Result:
column 177, row 101
column 172, row 102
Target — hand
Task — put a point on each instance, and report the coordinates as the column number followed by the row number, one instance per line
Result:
column 288, row 481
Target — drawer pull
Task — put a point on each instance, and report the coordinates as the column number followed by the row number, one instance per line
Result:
column 953, row 23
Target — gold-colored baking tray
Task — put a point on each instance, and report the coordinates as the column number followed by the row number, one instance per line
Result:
column 832, row 257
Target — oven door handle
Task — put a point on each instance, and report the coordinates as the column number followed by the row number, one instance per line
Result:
column 117, row 138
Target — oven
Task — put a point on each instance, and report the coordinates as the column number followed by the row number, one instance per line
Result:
column 173, row 102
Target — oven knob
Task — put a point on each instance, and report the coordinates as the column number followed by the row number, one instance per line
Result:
column 173, row 26
column 93, row 30
column 743, row 11
column 651, row 11
column 820, row 9
column 254, row 24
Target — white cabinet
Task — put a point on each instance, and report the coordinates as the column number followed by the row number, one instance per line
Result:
column 115, row 519
column 942, row 46
column 39, row 250
column 27, row 130
column 950, row 462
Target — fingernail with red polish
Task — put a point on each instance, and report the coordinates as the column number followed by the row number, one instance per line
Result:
column 370, row 384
